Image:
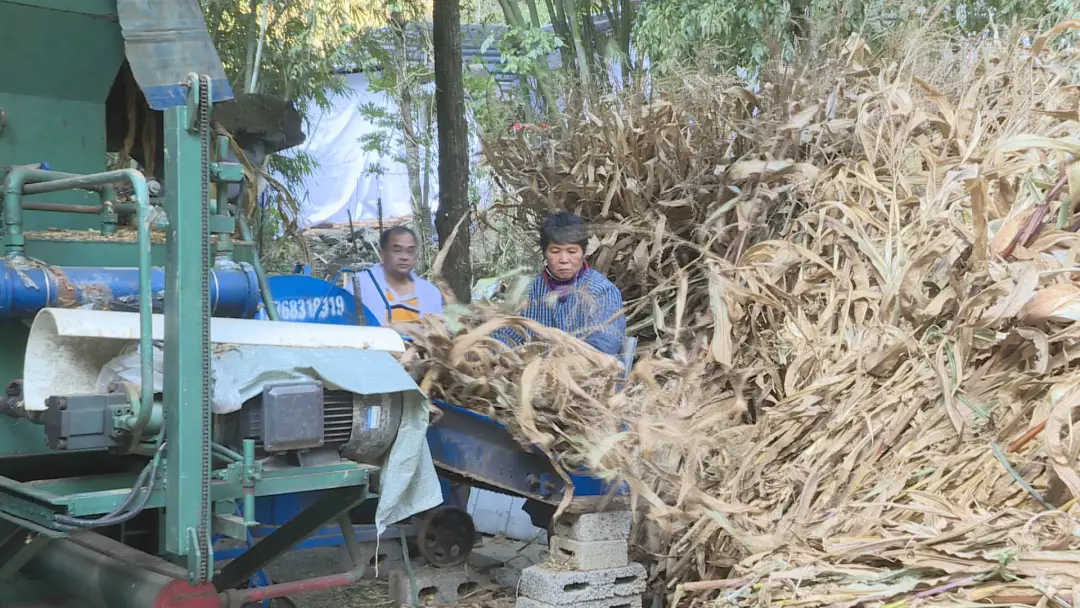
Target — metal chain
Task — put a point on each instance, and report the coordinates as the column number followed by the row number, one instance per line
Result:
column 204, row 472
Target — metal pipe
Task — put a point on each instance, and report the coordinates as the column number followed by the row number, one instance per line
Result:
column 26, row 290
column 236, row 598
column 249, row 483
column 71, row 208
column 36, row 181
column 223, row 245
column 61, row 207
column 105, row 573
column 268, row 298
column 14, row 242
column 109, row 218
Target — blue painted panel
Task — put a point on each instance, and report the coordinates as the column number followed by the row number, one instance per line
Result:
column 305, row 299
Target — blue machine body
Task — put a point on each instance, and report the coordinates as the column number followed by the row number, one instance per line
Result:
column 305, row 299
column 25, row 291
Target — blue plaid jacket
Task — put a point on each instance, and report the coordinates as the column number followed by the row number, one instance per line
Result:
column 592, row 312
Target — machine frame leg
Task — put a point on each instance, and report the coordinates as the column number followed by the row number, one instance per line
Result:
column 352, row 545
column 184, row 374
column 332, row 505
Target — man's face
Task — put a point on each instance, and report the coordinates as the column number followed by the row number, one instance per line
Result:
column 400, row 254
column 564, row 260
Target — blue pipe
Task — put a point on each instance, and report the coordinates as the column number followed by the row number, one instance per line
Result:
column 24, row 290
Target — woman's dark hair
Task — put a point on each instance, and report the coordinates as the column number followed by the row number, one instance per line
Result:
column 564, row 228
column 389, row 233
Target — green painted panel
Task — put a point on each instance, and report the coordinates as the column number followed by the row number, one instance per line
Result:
column 68, row 135
column 17, row 437
column 58, row 54
column 105, row 8
column 60, row 58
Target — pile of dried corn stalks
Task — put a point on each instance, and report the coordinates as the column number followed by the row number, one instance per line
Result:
column 879, row 270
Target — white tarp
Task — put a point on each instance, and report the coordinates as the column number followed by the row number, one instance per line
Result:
column 343, row 181
column 410, row 484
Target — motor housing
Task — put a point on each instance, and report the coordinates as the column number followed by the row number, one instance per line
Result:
column 308, row 421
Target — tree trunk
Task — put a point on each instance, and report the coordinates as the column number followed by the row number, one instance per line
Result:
column 412, row 146
column 453, row 146
column 579, row 46
column 252, row 39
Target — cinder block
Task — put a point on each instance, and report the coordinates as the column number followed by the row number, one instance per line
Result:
column 596, row 555
column 446, row 585
column 625, row 601
column 562, row 587
column 591, row 527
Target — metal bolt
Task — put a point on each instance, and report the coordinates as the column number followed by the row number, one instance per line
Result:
column 61, row 444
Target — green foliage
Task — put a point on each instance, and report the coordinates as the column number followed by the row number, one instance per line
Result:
column 674, row 33
column 526, row 49
column 293, row 168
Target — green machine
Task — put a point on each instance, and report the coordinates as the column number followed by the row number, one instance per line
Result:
column 145, row 409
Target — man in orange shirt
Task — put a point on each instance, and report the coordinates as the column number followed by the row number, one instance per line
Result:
column 390, row 291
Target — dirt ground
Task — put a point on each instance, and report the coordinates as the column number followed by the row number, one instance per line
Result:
column 503, row 557
column 321, row 562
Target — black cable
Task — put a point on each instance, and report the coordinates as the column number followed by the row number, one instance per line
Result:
column 140, row 482
column 113, row 519
column 118, row 514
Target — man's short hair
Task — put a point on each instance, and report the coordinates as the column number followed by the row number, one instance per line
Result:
column 389, row 233
column 564, row 228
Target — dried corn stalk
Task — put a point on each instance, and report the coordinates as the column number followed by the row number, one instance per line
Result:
column 862, row 262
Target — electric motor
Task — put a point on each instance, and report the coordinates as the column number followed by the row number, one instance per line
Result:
column 305, row 420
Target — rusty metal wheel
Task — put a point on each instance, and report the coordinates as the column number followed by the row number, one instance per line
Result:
column 445, row 536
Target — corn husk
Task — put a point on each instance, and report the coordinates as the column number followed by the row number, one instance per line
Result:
column 860, row 305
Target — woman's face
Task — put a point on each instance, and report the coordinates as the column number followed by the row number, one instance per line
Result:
column 564, row 260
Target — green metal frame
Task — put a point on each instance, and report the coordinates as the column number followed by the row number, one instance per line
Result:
column 55, row 115
column 29, row 508
column 37, row 501
column 184, row 373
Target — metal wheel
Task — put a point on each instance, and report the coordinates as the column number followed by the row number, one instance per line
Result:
column 445, row 536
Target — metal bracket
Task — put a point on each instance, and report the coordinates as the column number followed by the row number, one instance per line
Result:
column 196, row 558
column 232, row 173
column 231, row 526
column 193, row 100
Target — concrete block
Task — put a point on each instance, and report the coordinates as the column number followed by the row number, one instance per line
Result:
column 596, row 555
column 444, row 585
column 624, row 601
column 562, row 587
column 591, row 527
column 381, row 558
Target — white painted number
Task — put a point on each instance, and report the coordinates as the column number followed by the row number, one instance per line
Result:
column 306, row 309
